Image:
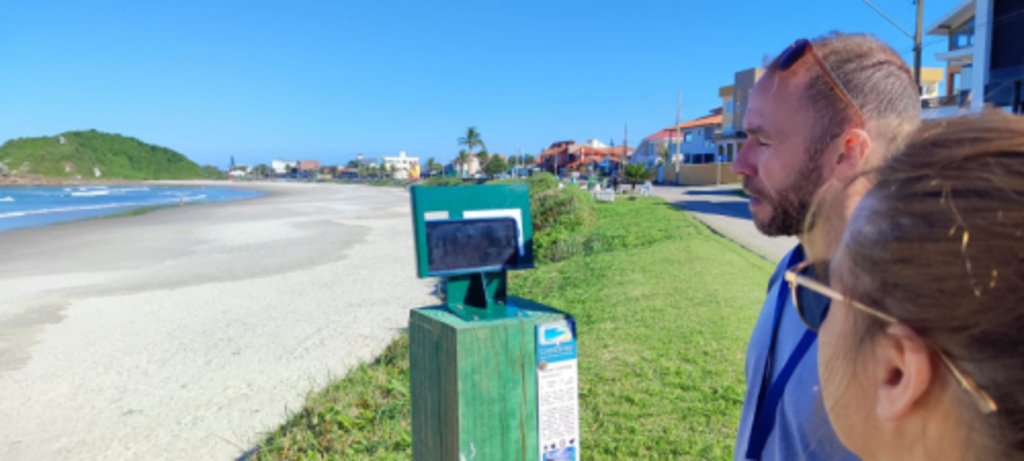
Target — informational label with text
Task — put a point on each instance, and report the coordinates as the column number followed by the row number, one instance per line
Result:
column 558, row 406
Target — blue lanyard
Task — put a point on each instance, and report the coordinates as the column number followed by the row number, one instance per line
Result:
column 768, row 402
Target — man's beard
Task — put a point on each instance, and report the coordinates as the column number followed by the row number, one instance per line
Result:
column 791, row 204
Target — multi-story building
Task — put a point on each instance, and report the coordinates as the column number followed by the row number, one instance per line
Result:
column 692, row 142
column 401, row 164
column 984, row 57
column 282, row 167
column 570, row 155
column 735, row 97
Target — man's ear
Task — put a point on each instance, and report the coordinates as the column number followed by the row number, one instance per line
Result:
column 853, row 154
column 905, row 372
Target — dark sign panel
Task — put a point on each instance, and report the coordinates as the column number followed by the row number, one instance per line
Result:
column 471, row 245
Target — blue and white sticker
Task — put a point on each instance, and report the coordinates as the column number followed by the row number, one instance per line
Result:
column 558, row 413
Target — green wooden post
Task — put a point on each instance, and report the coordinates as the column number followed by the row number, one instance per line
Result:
column 474, row 384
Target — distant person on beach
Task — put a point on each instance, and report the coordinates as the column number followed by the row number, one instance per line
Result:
column 921, row 310
column 824, row 111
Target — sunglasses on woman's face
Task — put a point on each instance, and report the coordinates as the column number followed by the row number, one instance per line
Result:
column 792, row 55
column 812, row 298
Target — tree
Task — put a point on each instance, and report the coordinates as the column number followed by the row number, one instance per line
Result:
column 663, row 155
column 472, row 140
column 482, row 158
column 261, row 170
column 528, row 159
column 354, row 164
column 432, row 166
column 496, row 165
column 462, row 160
column 638, row 172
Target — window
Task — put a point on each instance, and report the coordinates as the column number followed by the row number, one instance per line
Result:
column 721, row 150
column 731, row 154
column 728, row 106
column 962, row 36
column 689, row 137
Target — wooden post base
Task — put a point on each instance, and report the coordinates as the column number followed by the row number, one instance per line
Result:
column 474, row 384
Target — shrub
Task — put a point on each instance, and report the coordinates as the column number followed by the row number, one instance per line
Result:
column 444, row 181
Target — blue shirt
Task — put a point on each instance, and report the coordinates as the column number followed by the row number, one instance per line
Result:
column 802, row 430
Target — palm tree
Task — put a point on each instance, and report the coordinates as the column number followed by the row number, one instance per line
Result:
column 431, row 166
column 483, row 158
column 261, row 171
column 462, row 160
column 663, row 155
column 638, row 172
column 472, row 140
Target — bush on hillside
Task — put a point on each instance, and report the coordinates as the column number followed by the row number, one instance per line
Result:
column 114, row 155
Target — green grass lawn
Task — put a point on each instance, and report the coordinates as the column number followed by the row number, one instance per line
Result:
column 664, row 310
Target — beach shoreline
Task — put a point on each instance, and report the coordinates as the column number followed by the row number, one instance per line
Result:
column 187, row 332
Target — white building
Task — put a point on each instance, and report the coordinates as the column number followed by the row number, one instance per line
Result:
column 402, row 163
column 282, row 166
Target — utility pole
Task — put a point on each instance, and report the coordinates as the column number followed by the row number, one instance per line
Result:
column 679, row 135
column 625, row 153
column 917, row 44
column 916, row 37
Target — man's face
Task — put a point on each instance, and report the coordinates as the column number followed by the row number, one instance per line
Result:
column 779, row 173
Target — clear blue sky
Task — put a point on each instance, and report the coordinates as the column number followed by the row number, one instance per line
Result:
column 326, row 80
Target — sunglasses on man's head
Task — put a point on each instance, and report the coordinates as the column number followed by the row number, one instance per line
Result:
column 790, row 56
column 812, row 298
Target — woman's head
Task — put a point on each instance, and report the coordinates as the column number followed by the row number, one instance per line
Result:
column 937, row 244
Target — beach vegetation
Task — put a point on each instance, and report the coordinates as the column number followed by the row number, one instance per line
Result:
column 95, row 155
column 638, row 172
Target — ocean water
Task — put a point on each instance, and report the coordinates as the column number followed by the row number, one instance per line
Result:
column 40, row 206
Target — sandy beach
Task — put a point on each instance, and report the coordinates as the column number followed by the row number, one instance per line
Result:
column 188, row 332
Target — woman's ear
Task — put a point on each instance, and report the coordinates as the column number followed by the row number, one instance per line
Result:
column 905, row 372
column 853, row 153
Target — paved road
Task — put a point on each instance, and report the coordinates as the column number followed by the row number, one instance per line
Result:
column 725, row 212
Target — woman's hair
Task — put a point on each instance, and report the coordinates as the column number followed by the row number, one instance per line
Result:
column 940, row 248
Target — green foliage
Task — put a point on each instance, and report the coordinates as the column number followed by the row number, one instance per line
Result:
column 638, row 172
column 391, row 182
column 562, row 220
column 471, row 140
column 663, row 331
column 116, row 156
column 212, row 172
column 496, row 165
column 445, row 181
column 365, row 416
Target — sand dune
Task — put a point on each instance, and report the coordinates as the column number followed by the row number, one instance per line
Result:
column 187, row 332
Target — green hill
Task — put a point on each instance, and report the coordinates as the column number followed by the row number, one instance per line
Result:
column 115, row 156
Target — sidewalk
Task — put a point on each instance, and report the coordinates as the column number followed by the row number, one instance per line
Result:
column 726, row 213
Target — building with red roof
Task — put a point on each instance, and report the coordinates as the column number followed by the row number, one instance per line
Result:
column 692, row 142
column 572, row 156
